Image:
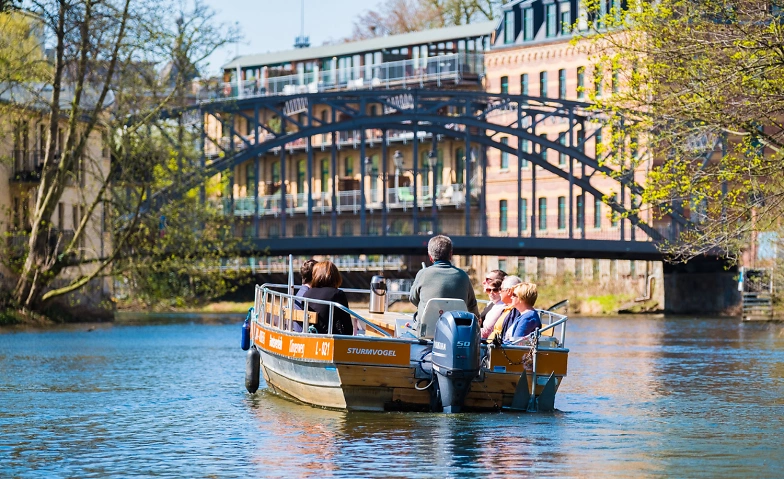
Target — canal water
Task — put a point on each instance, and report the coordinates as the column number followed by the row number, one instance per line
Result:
column 645, row 397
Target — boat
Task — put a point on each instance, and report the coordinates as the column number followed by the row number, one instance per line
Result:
column 393, row 362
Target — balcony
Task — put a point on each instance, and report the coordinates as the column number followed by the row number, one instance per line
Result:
column 18, row 240
column 28, row 165
column 438, row 71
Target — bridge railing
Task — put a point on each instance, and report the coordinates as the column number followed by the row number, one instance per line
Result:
column 438, row 70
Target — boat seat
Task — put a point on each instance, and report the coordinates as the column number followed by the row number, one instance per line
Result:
column 434, row 308
column 299, row 315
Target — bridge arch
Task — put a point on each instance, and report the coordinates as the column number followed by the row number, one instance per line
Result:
column 423, row 111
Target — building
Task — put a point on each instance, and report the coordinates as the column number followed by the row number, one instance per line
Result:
column 447, row 58
column 23, row 138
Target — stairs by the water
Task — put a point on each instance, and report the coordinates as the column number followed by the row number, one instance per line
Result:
column 757, row 306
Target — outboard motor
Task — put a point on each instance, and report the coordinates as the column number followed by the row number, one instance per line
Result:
column 456, row 348
column 378, row 294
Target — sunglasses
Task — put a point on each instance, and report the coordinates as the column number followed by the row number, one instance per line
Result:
column 491, row 290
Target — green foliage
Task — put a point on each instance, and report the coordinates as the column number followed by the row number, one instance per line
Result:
column 704, row 80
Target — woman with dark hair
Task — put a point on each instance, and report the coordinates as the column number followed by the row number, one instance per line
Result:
column 324, row 286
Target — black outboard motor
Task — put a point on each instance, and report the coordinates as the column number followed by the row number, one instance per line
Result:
column 456, row 347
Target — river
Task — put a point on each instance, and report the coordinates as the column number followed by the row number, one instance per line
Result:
column 645, row 397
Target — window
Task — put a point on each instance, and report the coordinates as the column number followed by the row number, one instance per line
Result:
column 542, row 213
column 323, row 229
column 347, row 229
column 580, row 211
column 524, row 214
column 580, row 83
column 598, row 147
column 562, row 84
column 504, row 84
column 528, row 23
column 582, row 16
column 459, row 165
column 301, row 177
column 250, row 179
column 543, row 148
column 562, row 156
column 274, row 231
column 543, row 84
column 503, row 212
column 597, row 212
column 565, row 17
column 276, row 172
column 561, row 212
column 615, row 85
column 324, row 175
column 524, row 84
column 299, row 229
column 509, row 27
column 504, row 154
column 348, row 166
column 550, row 20
column 526, row 148
column 597, row 79
column 581, row 141
column 613, row 214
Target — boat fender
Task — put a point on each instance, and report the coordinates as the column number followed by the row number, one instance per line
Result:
column 245, row 342
column 252, row 370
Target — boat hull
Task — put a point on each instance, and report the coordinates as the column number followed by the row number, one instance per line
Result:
column 378, row 374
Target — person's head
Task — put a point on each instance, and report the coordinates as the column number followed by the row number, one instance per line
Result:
column 326, row 275
column 525, row 295
column 493, row 289
column 507, row 285
column 439, row 248
column 493, row 275
column 306, row 271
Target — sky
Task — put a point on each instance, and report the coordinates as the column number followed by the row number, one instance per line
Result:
column 272, row 25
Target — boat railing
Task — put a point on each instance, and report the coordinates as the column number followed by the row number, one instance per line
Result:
column 555, row 322
column 266, row 295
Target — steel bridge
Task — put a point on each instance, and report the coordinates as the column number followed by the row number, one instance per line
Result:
column 238, row 131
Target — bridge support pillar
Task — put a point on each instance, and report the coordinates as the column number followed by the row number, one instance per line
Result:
column 701, row 286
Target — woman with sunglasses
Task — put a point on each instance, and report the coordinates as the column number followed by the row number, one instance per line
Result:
column 490, row 277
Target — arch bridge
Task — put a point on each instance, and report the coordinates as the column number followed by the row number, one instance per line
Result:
column 483, row 168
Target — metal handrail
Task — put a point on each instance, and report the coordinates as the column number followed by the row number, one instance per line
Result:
column 538, row 332
column 265, row 289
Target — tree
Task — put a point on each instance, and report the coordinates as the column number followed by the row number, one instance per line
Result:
column 403, row 16
column 103, row 70
column 704, row 80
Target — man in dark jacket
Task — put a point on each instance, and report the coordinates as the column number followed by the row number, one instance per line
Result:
column 442, row 279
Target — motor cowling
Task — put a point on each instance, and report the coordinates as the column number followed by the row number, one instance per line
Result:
column 456, row 350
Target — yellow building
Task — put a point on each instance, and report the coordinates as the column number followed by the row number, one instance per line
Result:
column 22, row 150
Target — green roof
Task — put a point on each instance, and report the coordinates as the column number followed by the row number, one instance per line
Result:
column 372, row 44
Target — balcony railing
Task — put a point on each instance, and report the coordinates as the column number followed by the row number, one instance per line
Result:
column 438, row 70
column 28, row 165
column 349, row 201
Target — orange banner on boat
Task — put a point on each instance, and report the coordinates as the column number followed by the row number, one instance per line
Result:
column 299, row 347
column 330, row 349
column 372, row 352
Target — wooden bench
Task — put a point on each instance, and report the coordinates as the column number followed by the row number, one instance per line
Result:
column 273, row 312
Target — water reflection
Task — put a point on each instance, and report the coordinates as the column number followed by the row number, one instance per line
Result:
column 645, row 397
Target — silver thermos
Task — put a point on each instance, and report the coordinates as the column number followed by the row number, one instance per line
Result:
column 378, row 294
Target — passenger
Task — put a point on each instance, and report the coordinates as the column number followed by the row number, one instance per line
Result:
column 497, row 305
column 442, row 279
column 324, row 286
column 524, row 298
column 496, row 274
column 306, row 271
column 509, row 313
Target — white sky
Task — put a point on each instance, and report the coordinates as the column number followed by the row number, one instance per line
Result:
column 272, row 25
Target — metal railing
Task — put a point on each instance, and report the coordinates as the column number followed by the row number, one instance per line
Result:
column 266, row 295
column 440, row 69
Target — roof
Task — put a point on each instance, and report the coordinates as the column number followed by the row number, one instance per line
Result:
column 371, row 44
